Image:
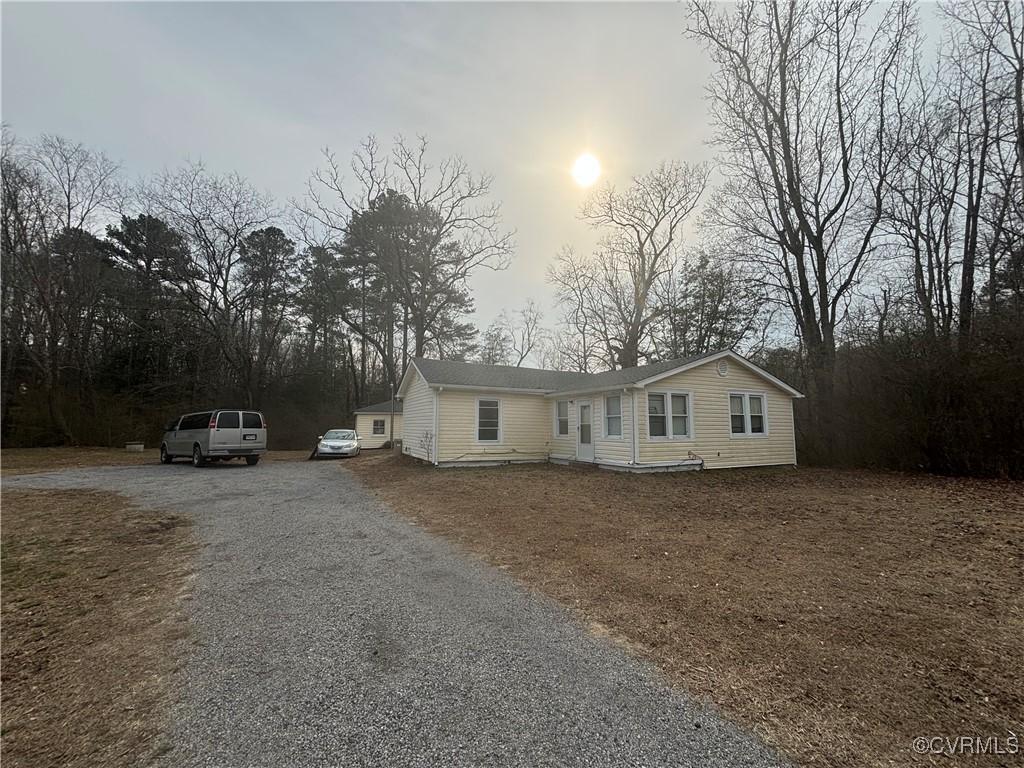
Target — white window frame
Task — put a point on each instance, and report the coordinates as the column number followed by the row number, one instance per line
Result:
column 568, row 424
column 669, row 432
column 476, row 431
column 605, row 417
column 383, row 427
column 746, row 395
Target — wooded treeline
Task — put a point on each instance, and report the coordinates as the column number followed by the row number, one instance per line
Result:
column 860, row 233
column 123, row 305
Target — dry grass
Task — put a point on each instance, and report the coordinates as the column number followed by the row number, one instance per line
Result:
column 839, row 614
column 92, row 621
column 23, row 461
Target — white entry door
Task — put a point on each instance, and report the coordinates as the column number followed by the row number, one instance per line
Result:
column 585, row 432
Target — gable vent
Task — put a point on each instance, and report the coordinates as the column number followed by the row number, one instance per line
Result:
column 723, row 367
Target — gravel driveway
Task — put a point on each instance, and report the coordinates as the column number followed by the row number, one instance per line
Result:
column 331, row 632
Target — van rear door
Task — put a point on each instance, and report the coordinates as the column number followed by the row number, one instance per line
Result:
column 254, row 431
column 227, row 434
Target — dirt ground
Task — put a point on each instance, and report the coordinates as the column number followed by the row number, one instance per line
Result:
column 839, row 614
column 21, row 461
column 92, row 623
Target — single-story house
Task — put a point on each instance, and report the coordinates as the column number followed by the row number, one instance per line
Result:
column 713, row 410
column 373, row 423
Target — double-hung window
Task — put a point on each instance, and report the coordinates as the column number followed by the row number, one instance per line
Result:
column 488, row 420
column 680, row 415
column 378, row 426
column 668, row 415
column 656, row 423
column 562, row 418
column 613, row 416
column 747, row 414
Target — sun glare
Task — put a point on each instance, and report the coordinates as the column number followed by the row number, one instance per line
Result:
column 586, row 169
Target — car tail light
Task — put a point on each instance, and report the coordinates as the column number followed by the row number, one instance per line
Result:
column 264, row 421
column 213, row 421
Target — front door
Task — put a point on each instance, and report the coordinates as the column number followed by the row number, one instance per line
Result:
column 585, row 432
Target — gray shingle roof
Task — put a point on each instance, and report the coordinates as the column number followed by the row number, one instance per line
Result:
column 384, row 407
column 627, row 376
column 457, row 373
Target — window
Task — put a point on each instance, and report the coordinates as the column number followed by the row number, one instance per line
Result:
column 746, row 414
column 680, row 415
column 252, row 420
column 562, row 418
column 195, row 421
column 613, row 416
column 488, row 421
column 756, row 415
column 656, row 426
column 378, row 426
column 737, row 416
column 668, row 414
column 227, row 420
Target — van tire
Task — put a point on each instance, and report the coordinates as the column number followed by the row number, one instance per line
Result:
column 252, row 461
column 197, row 456
column 165, row 457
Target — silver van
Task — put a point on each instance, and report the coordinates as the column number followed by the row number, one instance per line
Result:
column 219, row 435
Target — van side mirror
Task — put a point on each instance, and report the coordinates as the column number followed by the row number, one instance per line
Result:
column 319, row 437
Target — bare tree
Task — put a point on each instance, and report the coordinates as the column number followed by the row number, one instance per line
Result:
column 802, row 101
column 494, row 347
column 525, row 331
column 953, row 201
column 644, row 224
column 54, row 192
column 447, row 232
column 215, row 214
column 986, row 59
column 707, row 304
column 587, row 336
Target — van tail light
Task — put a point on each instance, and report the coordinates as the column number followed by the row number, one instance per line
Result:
column 263, row 420
column 213, row 421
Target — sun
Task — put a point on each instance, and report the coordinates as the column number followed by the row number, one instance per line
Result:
column 586, row 169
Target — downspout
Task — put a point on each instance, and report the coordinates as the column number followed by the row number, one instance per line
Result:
column 437, row 396
column 636, row 431
column 391, row 437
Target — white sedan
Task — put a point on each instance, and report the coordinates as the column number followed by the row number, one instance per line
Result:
column 337, row 442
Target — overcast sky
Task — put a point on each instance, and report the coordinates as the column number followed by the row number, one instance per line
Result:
column 519, row 90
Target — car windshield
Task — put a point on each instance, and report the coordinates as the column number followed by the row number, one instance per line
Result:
column 340, row 434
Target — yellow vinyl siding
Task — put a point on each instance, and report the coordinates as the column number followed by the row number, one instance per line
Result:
column 563, row 447
column 364, row 428
column 709, row 413
column 418, row 419
column 526, row 427
column 613, row 449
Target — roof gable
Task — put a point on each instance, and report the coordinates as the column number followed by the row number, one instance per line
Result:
column 711, row 357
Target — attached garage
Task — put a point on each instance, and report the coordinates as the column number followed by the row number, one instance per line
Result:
column 373, row 423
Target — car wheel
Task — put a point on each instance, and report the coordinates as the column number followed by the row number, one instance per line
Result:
column 165, row 457
column 197, row 457
column 252, row 461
